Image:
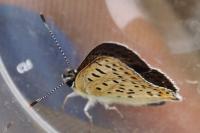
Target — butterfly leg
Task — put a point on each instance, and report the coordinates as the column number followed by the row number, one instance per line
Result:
column 73, row 94
column 107, row 107
column 89, row 105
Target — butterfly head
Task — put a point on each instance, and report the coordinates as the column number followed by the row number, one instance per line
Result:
column 68, row 76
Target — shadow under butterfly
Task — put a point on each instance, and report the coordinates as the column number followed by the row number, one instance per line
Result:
column 113, row 74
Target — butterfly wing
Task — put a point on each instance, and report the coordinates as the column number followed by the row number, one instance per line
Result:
column 132, row 60
column 109, row 80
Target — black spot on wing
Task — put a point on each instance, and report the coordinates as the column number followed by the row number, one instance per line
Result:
column 121, row 68
column 149, row 93
column 95, row 75
column 130, row 96
column 127, row 73
column 143, row 86
column 167, row 92
column 90, row 79
column 100, row 71
column 115, row 73
column 105, row 84
column 121, row 88
column 119, row 76
column 108, row 66
column 132, row 92
column 133, row 77
column 98, row 88
column 119, row 91
column 115, row 81
column 114, row 65
column 98, row 63
column 114, row 69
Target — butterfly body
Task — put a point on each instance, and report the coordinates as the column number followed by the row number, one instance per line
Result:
column 107, row 77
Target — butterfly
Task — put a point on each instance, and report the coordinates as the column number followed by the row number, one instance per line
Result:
column 114, row 74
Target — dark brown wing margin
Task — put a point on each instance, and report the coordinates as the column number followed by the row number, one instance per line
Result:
column 132, row 60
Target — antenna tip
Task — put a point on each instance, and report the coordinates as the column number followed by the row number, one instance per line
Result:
column 42, row 17
column 33, row 103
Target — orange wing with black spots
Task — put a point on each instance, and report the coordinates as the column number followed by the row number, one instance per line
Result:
column 110, row 80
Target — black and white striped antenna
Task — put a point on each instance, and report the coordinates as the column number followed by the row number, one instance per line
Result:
column 48, row 94
column 65, row 58
column 55, row 40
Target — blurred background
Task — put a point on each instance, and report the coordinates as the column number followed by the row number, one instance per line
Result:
column 164, row 33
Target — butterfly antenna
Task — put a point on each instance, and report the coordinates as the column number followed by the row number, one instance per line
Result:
column 48, row 94
column 54, row 39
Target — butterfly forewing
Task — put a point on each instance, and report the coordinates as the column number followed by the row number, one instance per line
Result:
column 112, row 81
